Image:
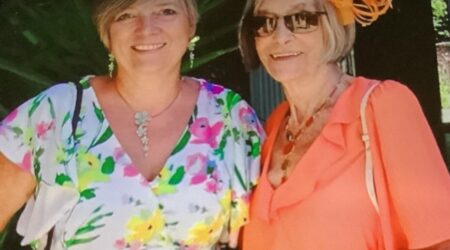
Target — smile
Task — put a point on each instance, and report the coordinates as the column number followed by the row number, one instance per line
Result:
column 149, row 47
column 284, row 55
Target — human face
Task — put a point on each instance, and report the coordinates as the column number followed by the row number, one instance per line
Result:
column 150, row 36
column 288, row 56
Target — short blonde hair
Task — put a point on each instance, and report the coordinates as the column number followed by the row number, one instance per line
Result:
column 104, row 12
column 338, row 39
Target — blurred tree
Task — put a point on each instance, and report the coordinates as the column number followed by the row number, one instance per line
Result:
column 441, row 20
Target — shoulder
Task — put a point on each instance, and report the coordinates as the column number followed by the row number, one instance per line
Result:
column 276, row 116
column 218, row 91
column 393, row 95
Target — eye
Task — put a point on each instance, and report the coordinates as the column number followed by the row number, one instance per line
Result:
column 123, row 17
column 168, row 12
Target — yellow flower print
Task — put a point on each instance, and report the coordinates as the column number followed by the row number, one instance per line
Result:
column 163, row 186
column 89, row 170
column 239, row 216
column 28, row 136
column 225, row 201
column 205, row 233
column 143, row 228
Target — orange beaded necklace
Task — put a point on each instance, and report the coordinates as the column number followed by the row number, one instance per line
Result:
column 292, row 137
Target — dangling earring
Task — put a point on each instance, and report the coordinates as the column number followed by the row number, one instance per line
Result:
column 191, row 48
column 111, row 61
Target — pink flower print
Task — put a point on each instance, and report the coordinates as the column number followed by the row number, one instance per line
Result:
column 43, row 127
column 119, row 244
column 213, row 185
column 130, row 171
column 196, row 165
column 136, row 245
column 249, row 118
column 11, row 116
column 26, row 162
column 213, row 88
column 205, row 133
column 118, row 154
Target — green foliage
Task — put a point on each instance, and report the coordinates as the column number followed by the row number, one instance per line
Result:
column 440, row 19
column 444, row 88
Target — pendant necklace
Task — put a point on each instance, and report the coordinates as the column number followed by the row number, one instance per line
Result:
column 292, row 137
column 142, row 118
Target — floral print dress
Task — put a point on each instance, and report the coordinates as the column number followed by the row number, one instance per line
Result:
column 94, row 198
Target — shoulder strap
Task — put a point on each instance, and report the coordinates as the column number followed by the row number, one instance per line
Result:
column 76, row 111
column 368, row 172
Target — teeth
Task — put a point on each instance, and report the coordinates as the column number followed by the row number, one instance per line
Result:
column 148, row 47
column 285, row 54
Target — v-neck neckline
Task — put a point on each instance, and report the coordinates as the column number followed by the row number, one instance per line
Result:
column 106, row 125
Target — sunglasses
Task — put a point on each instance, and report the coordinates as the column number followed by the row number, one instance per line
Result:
column 298, row 23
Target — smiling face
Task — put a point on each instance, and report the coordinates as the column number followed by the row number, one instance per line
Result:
column 285, row 55
column 150, row 36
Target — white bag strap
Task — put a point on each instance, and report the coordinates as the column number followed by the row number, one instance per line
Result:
column 369, row 177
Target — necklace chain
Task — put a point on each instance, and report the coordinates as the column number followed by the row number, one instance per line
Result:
column 142, row 118
column 292, row 138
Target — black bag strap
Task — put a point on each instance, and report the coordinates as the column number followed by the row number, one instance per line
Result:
column 76, row 111
column 75, row 120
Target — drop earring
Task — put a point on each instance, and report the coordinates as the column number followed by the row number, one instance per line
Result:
column 191, row 49
column 111, row 64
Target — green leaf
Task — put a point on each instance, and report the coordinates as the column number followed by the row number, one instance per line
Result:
column 66, row 118
column 35, row 104
column 182, row 143
column 178, row 176
column 18, row 131
column 52, row 108
column 232, row 99
column 104, row 137
column 62, row 178
column 88, row 193
column 239, row 176
column 75, row 241
column 39, row 152
column 108, row 165
column 99, row 113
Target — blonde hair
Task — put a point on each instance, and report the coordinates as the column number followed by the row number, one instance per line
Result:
column 104, row 12
column 338, row 38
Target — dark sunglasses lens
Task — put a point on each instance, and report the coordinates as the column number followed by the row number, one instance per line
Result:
column 263, row 26
column 302, row 22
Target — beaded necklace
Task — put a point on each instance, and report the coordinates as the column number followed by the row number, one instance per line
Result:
column 292, row 138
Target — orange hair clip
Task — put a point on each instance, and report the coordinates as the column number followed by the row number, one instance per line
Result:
column 365, row 12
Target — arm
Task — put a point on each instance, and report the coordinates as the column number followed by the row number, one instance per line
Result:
column 417, row 179
column 16, row 186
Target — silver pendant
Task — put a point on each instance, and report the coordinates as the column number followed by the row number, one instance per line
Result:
column 141, row 120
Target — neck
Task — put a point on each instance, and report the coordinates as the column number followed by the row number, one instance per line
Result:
column 305, row 95
column 145, row 92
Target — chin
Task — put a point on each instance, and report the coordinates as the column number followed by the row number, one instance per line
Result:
column 283, row 74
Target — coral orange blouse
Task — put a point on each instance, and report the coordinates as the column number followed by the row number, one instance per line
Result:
column 324, row 203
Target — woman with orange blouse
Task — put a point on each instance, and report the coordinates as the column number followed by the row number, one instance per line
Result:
column 312, row 193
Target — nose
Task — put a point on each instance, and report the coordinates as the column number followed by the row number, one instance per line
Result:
column 148, row 24
column 282, row 34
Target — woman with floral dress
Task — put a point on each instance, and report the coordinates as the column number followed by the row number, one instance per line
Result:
column 157, row 160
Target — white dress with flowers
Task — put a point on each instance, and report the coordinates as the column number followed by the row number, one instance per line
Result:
column 93, row 196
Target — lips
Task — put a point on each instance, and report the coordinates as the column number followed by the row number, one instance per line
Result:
column 284, row 55
column 149, row 47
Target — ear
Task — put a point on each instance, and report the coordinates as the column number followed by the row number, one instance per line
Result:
column 193, row 29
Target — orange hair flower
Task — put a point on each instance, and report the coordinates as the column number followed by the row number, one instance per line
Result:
column 364, row 12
